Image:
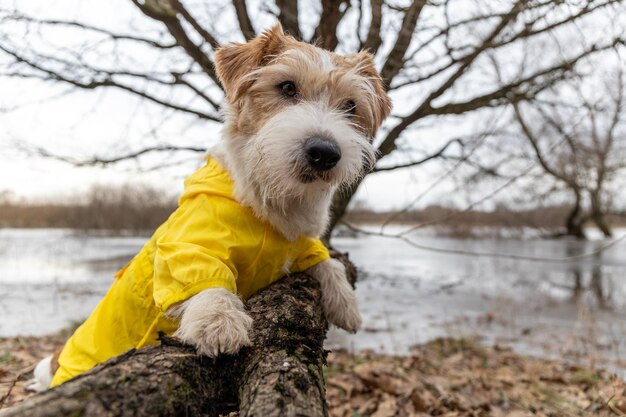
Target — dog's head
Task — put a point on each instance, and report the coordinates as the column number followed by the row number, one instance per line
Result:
column 299, row 118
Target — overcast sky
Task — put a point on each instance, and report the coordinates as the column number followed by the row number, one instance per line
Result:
column 108, row 122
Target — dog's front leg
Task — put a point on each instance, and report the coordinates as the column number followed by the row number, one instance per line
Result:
column 214, row 321
column 338, row 297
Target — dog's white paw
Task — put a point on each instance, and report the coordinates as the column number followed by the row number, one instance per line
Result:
column 215, row 322
column 343, row 314
column 338, row 297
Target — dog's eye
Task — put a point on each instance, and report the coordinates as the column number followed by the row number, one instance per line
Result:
column 288, row 89
column 349, row 107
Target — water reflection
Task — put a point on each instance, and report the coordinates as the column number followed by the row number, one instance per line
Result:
column 590, row 282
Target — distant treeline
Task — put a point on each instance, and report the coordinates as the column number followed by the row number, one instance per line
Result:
column 135, row 208
column 549, row 218
column 143, row 208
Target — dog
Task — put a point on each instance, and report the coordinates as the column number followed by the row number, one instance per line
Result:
column 299, row 122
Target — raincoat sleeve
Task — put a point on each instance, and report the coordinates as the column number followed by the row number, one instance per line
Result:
column 313, row 252
column 193, row 254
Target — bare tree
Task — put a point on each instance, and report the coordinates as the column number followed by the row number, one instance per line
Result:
column 588, row 121
column 432, row 54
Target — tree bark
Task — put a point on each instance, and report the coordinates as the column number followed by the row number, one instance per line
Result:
column 575, row 221
column 156, row 381
column 597, row 215
column 600, row 222
column 281, row 374
column 374, row 40
column 341, row 200
column 288, row 17
column 326, row 31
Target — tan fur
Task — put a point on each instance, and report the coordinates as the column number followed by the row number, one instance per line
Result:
column 250, row 73
column 234, row 61
column 54, row 364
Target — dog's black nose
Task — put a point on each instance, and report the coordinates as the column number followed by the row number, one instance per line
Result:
column 322, row 154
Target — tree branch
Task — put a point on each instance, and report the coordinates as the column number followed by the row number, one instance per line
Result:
column 395, row 59
column 388, row 144
column 512, row 92
column 245, row 25
column 326, row 31
column 47, row 74
column 165, row 11
column 526, row 32
column 95, row 29
column 101, row 161
column 534, row 142
column 288, row 17
column 210, row 39
column 430, row 157
column 374, row 40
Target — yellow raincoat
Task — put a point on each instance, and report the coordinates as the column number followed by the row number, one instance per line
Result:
column 209, row 241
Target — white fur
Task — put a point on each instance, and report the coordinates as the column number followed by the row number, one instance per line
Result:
column 338, row 297
column 42, row 376
column 214, row 321
column 326, row 61
column 265, row 168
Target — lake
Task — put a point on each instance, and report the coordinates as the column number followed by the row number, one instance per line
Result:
column 50, row 278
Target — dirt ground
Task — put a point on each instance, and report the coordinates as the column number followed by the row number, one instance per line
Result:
column 459, row 378
column 446, row 377
column 18, row 357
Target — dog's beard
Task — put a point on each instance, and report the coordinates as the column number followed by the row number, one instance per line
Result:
column 274, row 163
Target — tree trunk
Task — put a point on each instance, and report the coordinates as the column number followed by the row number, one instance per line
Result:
column 281, row 374
column 575, row 221
column 341, row 199
column 597, row 215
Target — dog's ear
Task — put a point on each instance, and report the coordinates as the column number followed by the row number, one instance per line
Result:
column 382, row 103
column 233, row 62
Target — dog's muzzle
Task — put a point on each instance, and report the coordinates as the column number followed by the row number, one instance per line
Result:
column 322, row 154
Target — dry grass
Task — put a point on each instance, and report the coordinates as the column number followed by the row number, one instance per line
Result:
column 103, row 207
column 457, row 223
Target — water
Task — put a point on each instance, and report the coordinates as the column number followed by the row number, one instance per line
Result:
column 50, row 278
column 573, row 310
